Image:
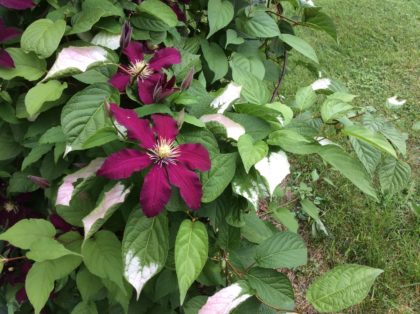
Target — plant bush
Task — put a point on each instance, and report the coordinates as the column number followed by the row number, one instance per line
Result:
column 144, row 152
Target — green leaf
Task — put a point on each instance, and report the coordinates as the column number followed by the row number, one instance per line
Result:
column 333, row 109
column 43, row 37
column 101, row 137
column 320, row 21
column 28, row 231
column 368, row 155
column 53, row 136
column 293, row 142
column 260, row 24
column 102, row 257
column 220, row 13
column 42, row 93
column 216, row 180
column 106, row 206
column 159, row 10
column 348, row 167
column 144, row 248
column 191, row 252
column 232, row 38
column 370, row 137
column 251, row 152
column 285, row 217
column 305, row 98
column 47, row 249
column 272, row 288
column 256, row 230
column 309, row 208
column 215, row 58
column 253, row 89
column 85, row 308
column 394, row 175
column 300, row 46
column 36, row 153
column 342, row 287
column 27, row 65
column 284, row 249
column 397, row 138
column 84, row 114
column 252, row 64
column 39, row 282
column 88, row 284
column 248, row 186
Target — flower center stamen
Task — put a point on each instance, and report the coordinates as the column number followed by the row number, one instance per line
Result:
column 9, row 207
column 164, row 152
column 140, row 69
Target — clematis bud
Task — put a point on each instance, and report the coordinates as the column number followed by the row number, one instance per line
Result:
column 126, row 32
column 188, row 79
column 41, row 182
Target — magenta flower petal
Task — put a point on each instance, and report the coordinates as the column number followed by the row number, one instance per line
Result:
column 122, row 164
column 164, row 58
column 146, row 88
column 60, row 223
column 134, row 52
column 17, row 4
column 6, row 60
column 7, row 33
column 194, row 156
column 137, row 129
column 188, row 183
column 155, row 192
column 120, row 80
column 165, row 126
column 21, row 295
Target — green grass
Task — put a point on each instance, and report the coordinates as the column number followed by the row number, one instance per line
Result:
column 377, row 56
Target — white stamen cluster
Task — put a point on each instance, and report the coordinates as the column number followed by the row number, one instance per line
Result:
column 140, row 69
column 164, row 152
column 9, row 207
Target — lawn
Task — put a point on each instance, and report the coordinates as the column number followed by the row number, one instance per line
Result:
column 377, row 56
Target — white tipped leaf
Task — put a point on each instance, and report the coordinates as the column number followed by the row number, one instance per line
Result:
column 274, row 169
column 231, row 93
column 233, row 130
column 107, row 40
column 225, row 300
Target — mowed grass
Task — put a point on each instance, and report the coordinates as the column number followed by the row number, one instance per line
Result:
column 377, row 56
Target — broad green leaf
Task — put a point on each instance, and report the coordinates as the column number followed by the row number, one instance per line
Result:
column 260, row 25
column 53, row 136
column 102, row 257
column 256, row 127
column 39, row 282
column 191, row 252
column 27, row 65
column 84, row 114
column 72, row 60
column 342, row 287
column 394, row 175
column 42, row 93
column 272, row 288
column 285, row 217
column 255, row 229
column 284, row 249
column 220, row 125
column 300, row 46
column 252, row 64
column 159, row 10
column 232, row 38
column 370, row 137
column 273, row 169
column 91, row 13
column 35, row 154
column 215, row 58
column 368, row 155
column 348, row 167
column 43, row 37
column 193, row 305
column 9, row 147
column 28, row 231
column 85, row 307
column 305, row 98
column 309, row 208
column 251, row 152
column 107, row 40
column 293, row 142
column 285, row 111
column 47, row 249
column 144, row 247
column 107, row 205
column 320, row 21
column 202, row 136
column 397, row 138
column 333, row 109
column 253, row 89
column 216, row 180
column 220, row 13
column 88, row 284
column 272, row 115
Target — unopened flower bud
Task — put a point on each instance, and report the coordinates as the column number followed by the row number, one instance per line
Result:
column 41, row 182
column 188, row 79
column 126, row 32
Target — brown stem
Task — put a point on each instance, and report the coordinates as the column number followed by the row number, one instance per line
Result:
column 11, row 259
column 282, row 74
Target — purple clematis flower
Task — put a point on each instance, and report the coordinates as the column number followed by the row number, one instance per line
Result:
column 17, row 4
column 164, row 88
column 147, row 73
column 170, row 164
column 7, row 33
